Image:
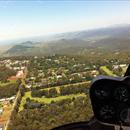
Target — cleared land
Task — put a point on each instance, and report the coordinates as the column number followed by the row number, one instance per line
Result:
column 47, row 100
column 106, row 70
column 6, row 114
column 8, row 83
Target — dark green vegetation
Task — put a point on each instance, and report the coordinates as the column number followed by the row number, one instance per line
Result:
column 61, row 90
column 57, row 70
column 52, row 115
column 58, row 94
column 56, row 91
column 5, row 73
column 9, row 90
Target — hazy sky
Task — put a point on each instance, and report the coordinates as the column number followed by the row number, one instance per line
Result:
column 32, row 18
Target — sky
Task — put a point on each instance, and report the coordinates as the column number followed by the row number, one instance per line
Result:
column 19, row 19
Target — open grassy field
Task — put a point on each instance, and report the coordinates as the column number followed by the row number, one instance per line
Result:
column 46, row 100
column 1, row 105
column 49, row 100
column 10, row 82
column 124, row 70
column 107, row 71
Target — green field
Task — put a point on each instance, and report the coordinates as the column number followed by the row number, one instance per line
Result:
column 46, row 100
column 106, row 70
column 10, row 82
column 1, row 105
column 49, row 100
column 124, row 70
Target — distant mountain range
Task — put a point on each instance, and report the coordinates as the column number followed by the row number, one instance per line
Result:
column 108, row 39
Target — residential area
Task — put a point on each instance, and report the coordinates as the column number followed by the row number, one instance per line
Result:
column 39, row 83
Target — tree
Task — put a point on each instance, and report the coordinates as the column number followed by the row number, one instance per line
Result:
column 53, row 93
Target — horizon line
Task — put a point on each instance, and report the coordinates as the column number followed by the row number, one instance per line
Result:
column 58, row 33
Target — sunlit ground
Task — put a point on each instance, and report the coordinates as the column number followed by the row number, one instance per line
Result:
column 6, row 114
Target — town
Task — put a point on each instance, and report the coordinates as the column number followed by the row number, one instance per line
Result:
column 44, row 86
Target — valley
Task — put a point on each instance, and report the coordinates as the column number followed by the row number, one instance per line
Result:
column 54, row 87
column 108, row 40
column 46, row 83
column 52, row 52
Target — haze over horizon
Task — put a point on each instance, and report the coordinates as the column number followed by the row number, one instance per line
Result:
column 36, row 18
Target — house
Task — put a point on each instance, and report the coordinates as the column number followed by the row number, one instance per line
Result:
column 94, row 72
column 115, row 67
column 2, row 100
column 22, row 67
column 87, row 68
column 7, row 99
column 11, row 98
column 28, row 86
column 20, row 74
column 32, row 78
column 16, row 68
column 57, row 61
column 59, row 76
column 123, row 65
column 35, row 57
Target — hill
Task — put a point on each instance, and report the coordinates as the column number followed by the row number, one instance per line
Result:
column 104, row 39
